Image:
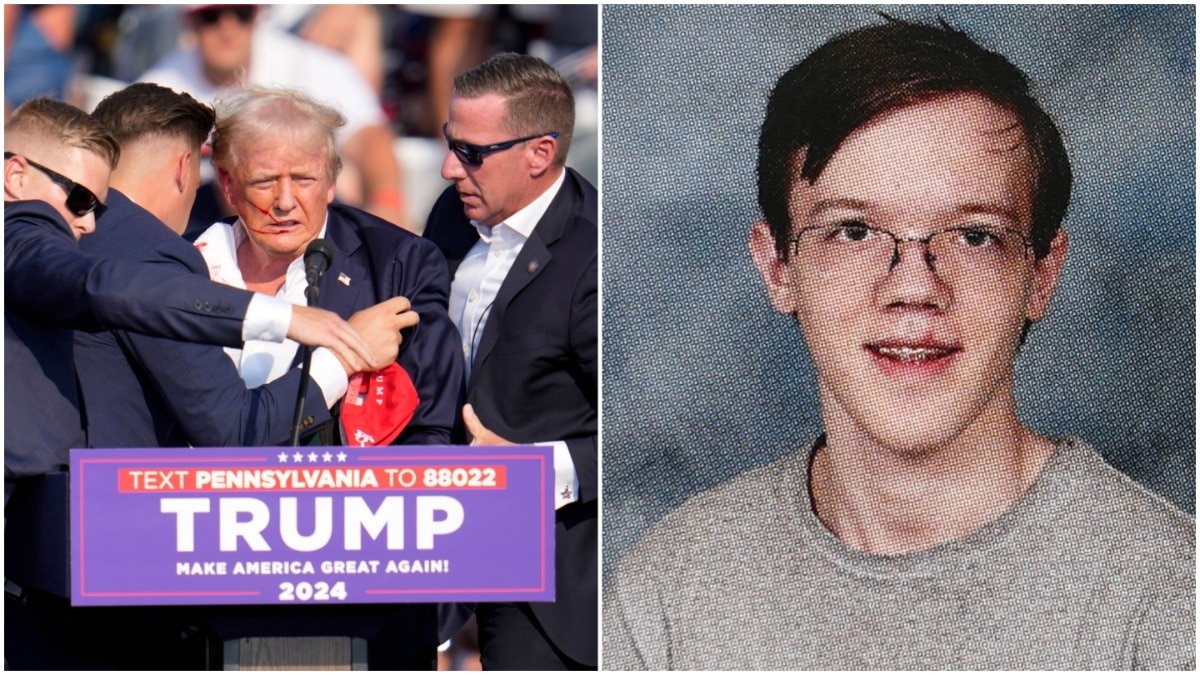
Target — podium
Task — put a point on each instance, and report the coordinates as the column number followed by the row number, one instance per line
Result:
column 37, row 559
column 295, row 653
column 280, row 560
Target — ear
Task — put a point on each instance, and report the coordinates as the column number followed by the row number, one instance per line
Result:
column 15, row 174
column 183, row 169
column 775, row 271
column 226, row 183
column 1045, row 277
column 540, row 154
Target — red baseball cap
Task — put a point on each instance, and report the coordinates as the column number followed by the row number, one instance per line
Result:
column 378, row 406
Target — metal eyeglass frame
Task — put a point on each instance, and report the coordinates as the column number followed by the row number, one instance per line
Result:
column 794, row 239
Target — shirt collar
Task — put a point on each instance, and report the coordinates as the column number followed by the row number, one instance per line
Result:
column 522, row 222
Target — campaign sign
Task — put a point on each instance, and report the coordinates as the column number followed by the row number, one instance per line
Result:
column 249, row 526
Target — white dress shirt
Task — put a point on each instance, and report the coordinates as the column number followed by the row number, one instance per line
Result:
column 260, row 361
column 476, row 283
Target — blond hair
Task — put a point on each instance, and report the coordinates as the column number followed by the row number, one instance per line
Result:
column 46, row 120
column 258, row 111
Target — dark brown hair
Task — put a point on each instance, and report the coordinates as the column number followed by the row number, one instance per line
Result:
column 857, row 76
column 144, row 110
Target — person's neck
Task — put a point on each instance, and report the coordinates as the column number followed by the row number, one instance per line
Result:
column 148, row 176
column 537, row 187
column 145, row 191
column 262, row 271
column 224, row 78
column 886, row 500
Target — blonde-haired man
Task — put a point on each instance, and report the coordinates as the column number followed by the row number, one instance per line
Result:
column 276, row 157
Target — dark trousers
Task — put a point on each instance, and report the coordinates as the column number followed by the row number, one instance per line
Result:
column 510, row 638
column 43, row 632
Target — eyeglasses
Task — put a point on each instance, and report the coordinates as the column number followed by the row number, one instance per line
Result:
column 80, row 200
column 210, row 16
column 855, row 248
column 472, row 155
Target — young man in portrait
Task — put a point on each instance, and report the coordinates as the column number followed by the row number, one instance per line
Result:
column 912, row 192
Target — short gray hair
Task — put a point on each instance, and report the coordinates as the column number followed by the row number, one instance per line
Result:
column 262, row 110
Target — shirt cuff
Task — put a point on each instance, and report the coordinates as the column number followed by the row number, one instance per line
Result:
column 566, row 481
column 329, row 374
column 267, row 318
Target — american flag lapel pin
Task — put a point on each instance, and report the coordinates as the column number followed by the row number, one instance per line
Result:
column 343, row 279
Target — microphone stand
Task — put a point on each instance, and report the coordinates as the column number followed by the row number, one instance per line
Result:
column 310, row 296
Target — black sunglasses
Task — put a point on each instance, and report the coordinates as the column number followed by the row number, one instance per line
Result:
column 210, row 16
column 80, row 200
column 472, row 155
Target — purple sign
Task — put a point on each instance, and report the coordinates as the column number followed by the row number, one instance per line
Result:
column 249, row 526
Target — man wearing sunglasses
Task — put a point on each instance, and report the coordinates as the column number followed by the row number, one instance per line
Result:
column 80, row 200
column 234, row 50
column 57, row 167
column 519, row 230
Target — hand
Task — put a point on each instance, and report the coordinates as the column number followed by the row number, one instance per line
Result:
column 380, row 326
column 317, row 327
column 480, row 435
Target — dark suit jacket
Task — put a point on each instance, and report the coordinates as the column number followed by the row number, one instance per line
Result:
column 378, row 261
column 374, row 260
column 143, row 391
column 51, row 287
column 535, row 378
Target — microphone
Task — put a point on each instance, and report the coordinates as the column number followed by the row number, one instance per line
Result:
column 316, row 260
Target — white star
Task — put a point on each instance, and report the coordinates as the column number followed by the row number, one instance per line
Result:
column 341, row 456
column 297, row 457
column 283, row 458
column 312, row 456
column 327, row 457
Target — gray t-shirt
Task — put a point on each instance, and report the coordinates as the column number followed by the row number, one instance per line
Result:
column 1087, row 571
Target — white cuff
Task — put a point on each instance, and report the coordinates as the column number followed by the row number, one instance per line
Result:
column 267, row 318
column 566, row 481
column 329, row 374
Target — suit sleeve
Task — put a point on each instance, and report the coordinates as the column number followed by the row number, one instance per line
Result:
column 206, row 396
column 209, row 401
column 429, row 352
column 46, row 276
column 584, row 344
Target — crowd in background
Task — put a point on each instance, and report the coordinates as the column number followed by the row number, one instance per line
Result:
column 407, row 55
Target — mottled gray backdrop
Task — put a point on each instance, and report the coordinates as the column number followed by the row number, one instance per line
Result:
column 702, row 380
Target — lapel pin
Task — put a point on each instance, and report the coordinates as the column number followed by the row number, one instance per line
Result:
column 533, row 267
column 343, row 279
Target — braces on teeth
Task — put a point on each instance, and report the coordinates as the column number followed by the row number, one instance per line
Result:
column 912, row 354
